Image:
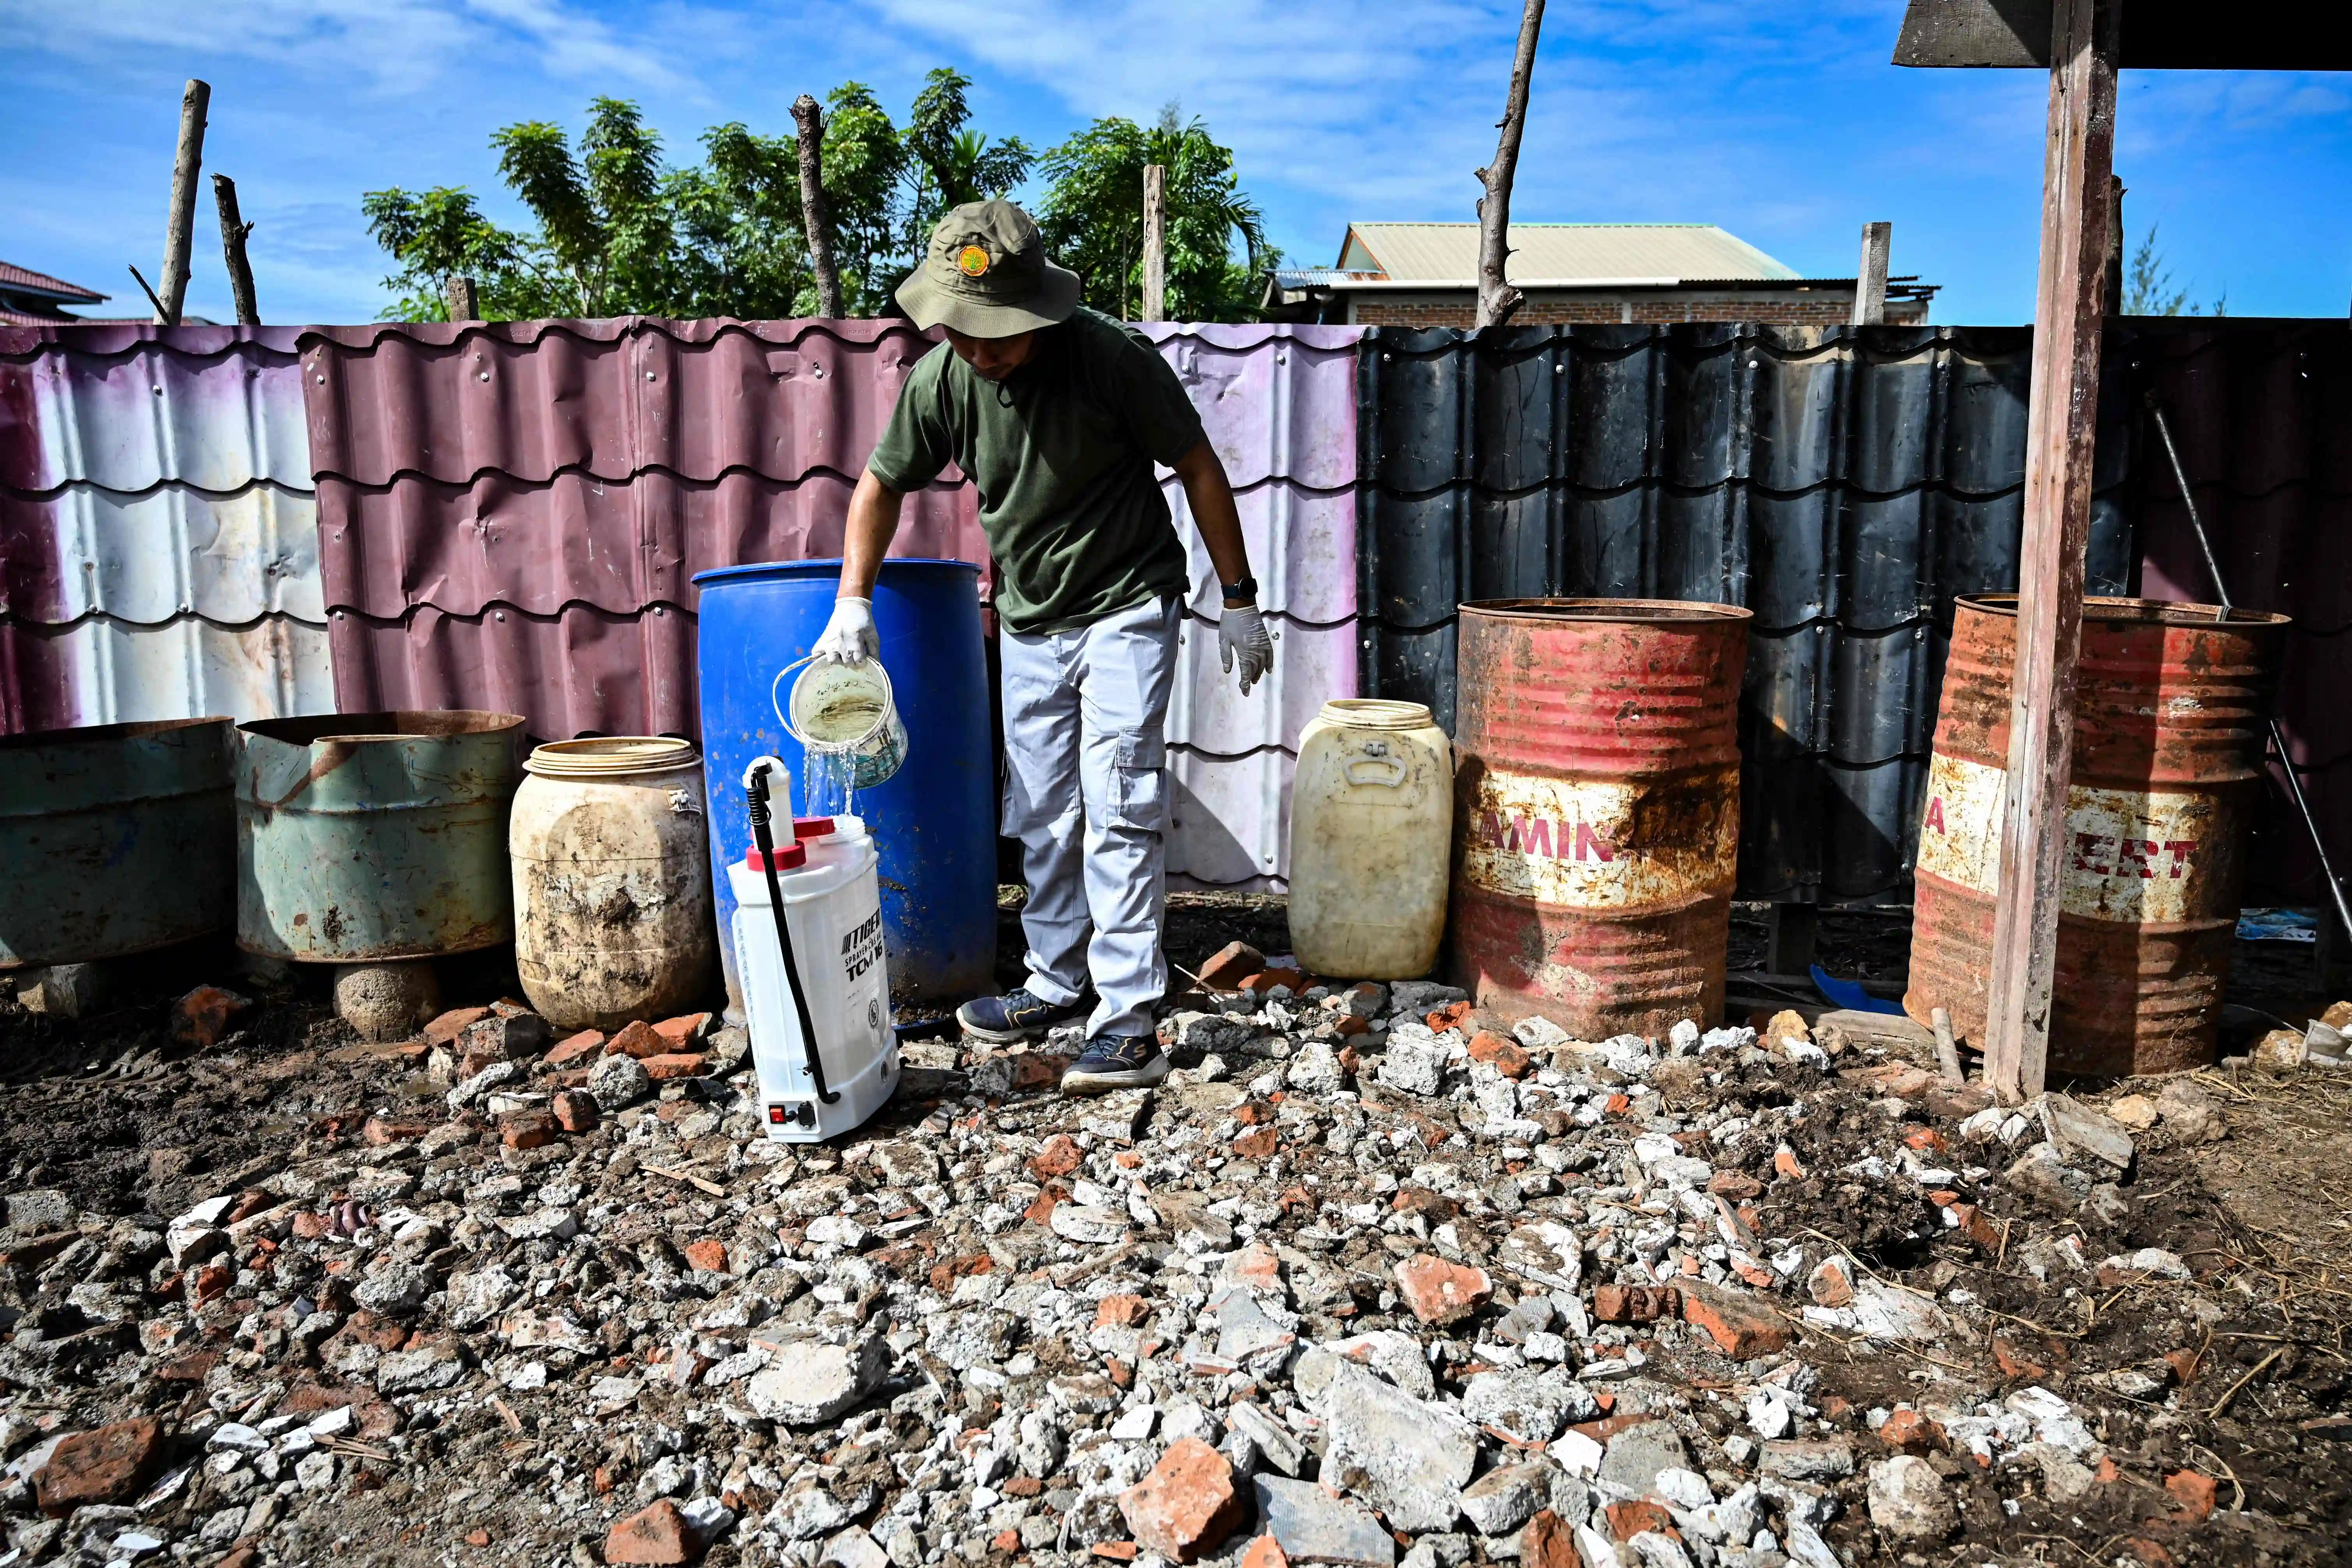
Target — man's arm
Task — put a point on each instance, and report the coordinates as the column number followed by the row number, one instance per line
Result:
column 850, row 638
column 1240, row 631
column 874, row 523
column 1210, row 495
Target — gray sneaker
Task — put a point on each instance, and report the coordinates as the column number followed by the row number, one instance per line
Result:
column 1115, row 1061
column 1019, row 1014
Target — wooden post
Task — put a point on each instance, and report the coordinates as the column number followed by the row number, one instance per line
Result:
column 1155, row 243
column 2060, row 426
column 1793, row 931
column 179, row 238
column 233, row 237
column 1496, row 299
column 1870, row 284
column 808, row 118
column 460, row 294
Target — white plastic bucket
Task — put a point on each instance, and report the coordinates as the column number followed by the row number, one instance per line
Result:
column 845, row 713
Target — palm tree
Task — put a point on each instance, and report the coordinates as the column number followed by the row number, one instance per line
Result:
column 1093, row 218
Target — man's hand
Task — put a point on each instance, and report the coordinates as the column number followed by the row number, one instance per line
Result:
column 1241, row 637
column 850, row 638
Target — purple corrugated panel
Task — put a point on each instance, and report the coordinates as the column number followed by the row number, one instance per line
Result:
column 158, row 543
column 780, row 399
column 1302, row 546
column 1270, row 397
column 581, row 671
column 1279, row 405
column 509, row 513
column 577, row 539
column 2262, row 412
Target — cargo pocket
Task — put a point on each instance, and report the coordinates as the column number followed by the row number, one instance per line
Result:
column 1139, row 783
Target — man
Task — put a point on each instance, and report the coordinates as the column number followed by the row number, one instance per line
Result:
column 1058, row 414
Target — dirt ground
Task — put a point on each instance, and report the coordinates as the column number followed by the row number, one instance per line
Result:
column 2258, row 1343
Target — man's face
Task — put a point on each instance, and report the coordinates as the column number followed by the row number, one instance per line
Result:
column 992, row 359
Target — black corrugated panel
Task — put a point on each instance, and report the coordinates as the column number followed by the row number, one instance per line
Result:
column 1843, row 483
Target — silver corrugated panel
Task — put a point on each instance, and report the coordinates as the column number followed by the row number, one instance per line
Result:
column 1279, row 405
column 159, row 552
column 102, row 671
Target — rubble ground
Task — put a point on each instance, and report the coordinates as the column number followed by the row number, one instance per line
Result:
column 1372, row 1278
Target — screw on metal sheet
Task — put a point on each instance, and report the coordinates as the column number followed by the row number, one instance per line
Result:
column 1282, row 357
column 649, row 375
column 481, row 375
column 502, row 616
column 159, row 392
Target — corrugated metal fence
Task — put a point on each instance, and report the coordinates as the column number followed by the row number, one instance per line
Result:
column 1845, row 483
column 507, row 516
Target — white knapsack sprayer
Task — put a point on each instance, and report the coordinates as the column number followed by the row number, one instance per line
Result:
column 816, row 988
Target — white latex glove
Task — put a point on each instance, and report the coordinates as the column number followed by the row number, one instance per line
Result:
column 1241, row 636
column 850, row 638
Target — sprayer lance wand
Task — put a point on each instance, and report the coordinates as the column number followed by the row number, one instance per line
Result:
column 755, row 794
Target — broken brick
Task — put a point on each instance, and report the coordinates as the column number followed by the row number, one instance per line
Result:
column 528, row 1129
column 1906, row 1431
column 201, row 1018
column 1439, row 1292
column 637, row 1040
column 575, row 1110
column 1229, row 965
column 1121, row 1312
column 1628, row 1519
column 657, row 1535
column 1188, row 1504
column 107, row 1464
column 1059, row 1157
column 1505, row 1055
column 1741, row 1326
column 2194, row 1493
column 709, row 1256
column 670, row 1065
column 1634, row 1303
column 576, row 1047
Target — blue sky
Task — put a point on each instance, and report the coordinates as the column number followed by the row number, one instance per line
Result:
column 1784, row 124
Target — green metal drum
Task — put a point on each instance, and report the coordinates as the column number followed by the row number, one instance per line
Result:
column 365, row 837
column 113, row 840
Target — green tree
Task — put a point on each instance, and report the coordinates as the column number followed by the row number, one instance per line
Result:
column 948, row 162
column 2148, row 291
column 1093, row 219
column 437, row 234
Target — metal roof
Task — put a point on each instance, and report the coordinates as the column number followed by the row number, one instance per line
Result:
column 1567, row 254
column 14, row 279
column 2182, row 34
column 158, row 537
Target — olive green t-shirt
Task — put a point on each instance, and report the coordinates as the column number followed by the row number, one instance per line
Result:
column 1061, row 453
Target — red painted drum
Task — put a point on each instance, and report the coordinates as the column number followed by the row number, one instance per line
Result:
column 2170, row 712
column 1596, row 828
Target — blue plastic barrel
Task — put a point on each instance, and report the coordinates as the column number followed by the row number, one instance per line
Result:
column 934, row 822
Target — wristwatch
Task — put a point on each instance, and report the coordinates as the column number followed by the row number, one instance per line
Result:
column 1244, row 590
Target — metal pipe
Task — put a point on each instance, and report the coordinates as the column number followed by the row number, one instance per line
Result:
column 2278, row 736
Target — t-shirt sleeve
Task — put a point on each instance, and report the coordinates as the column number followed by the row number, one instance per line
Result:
column 917, row 443
column 1165, row 423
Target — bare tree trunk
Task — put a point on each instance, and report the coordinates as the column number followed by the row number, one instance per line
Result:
column 1497, row 297
column 233, row 235
column 820, row 234
column 179, row 238
column 463, row 304
column 1870, row 285
column 1155, row 243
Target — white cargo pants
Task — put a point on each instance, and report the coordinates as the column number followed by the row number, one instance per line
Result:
column 1084, row 719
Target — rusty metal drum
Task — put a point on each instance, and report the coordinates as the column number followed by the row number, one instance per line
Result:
column 370, row 837
column 2171, row 709
column 1597, row 809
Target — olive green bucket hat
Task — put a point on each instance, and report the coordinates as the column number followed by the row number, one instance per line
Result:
column 986, row 276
